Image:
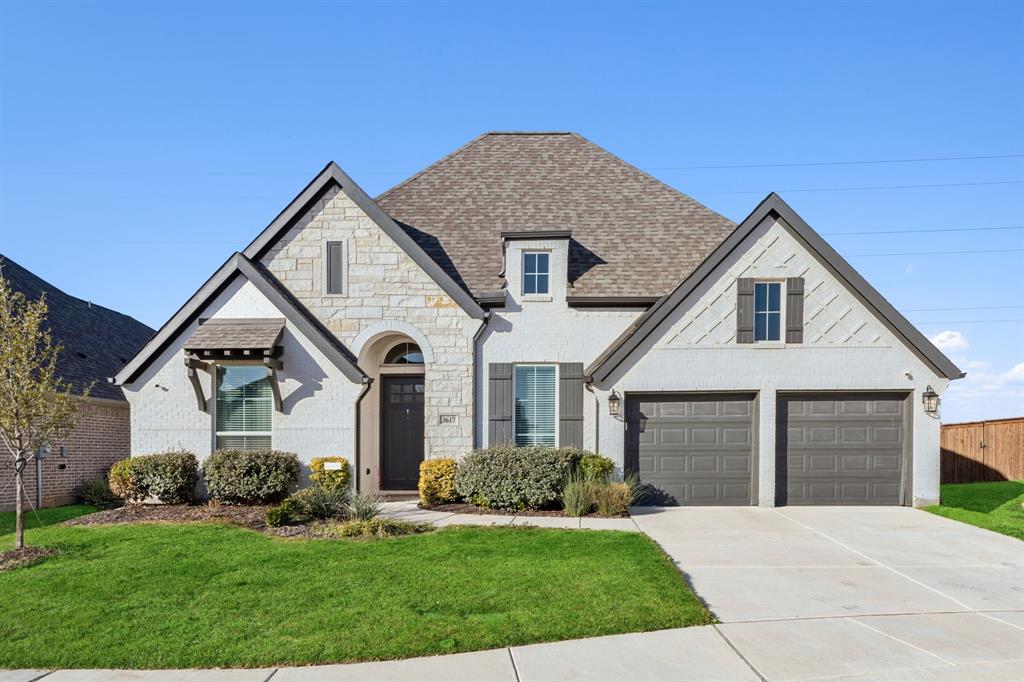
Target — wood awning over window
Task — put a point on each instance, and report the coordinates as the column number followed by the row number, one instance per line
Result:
column 219, row 340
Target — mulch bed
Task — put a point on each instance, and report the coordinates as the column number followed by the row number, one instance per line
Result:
column 467, row 508
column 15, row 558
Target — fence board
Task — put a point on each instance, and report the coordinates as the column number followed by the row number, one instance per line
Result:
column 983, row 451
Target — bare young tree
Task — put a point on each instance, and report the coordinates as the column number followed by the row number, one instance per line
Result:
column 36, row 405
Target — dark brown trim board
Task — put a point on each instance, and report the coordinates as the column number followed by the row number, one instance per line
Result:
column 773, row 207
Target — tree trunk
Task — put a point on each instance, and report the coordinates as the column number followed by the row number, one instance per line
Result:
column 19, row 511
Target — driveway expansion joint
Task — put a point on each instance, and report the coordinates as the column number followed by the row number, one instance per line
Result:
column 739, row 653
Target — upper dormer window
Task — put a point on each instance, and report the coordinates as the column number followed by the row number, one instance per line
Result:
column 536, row 272
column 767, row 311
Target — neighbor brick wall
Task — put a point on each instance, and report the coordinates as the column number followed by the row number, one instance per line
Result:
column 100, row 439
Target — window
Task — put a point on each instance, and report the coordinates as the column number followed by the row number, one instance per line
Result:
column 767, row 311
column 535, row 398
column 404, row 354
column 245, row 404
column 334, row 268
column 535, row 273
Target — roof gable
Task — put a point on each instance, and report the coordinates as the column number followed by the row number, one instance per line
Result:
column 240, row 266
column 773, row 207
column 632, row 235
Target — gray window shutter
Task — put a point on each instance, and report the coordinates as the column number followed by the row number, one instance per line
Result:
column 745, row 310
column 795, row 310
column 499, row 403
column 335, row 267
column 570, row 404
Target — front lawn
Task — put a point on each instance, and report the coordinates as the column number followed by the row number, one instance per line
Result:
column 206, row 595
column 997, row 505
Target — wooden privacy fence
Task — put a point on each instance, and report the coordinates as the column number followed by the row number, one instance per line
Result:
column 983, row 451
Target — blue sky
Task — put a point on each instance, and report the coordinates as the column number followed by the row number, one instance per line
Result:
column 141, row 144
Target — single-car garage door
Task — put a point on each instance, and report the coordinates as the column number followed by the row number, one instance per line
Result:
column 692, row 449
column 840, row 449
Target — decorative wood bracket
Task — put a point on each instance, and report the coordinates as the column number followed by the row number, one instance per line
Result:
column 193, row 366
column 274, row 364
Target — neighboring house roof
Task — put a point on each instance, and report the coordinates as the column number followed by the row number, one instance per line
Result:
column 632, row 235
column 772, row 207
column 96, row 340
column 296, row 314
column 332, row 176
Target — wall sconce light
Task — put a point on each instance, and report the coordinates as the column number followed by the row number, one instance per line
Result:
column 930, row 399
column 614, row 403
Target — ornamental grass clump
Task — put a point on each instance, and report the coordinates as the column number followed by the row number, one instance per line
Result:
column 365, row 506
column 579, row 493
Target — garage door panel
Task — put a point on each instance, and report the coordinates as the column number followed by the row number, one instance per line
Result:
column 693, row 449
column 841, row 449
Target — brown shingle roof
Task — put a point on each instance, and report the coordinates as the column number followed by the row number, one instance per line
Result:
column 221, row 334
column 632, row 235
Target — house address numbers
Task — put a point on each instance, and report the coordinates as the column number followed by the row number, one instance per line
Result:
column 448, row 420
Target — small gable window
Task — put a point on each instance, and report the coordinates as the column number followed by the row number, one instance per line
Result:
column 767, row 311
column 404, row 354
column 334, row 267
column 535, row 272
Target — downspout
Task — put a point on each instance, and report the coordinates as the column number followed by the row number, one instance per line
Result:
column 367, row 383
column 476, row 404
column 588, row 383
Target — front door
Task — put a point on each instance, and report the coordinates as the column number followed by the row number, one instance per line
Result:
column 401, row 432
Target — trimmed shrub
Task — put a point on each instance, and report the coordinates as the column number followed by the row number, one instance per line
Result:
column 250, row 476
column 278, row 516
column 170, row 477
column 509, row 477
column 365, row 506
column 125, row 481
column 96, row 491
column 329, row 478
column 596, row 467
column 437, row 481
column 579, row 493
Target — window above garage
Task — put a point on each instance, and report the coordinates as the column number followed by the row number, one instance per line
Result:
column 767, row 311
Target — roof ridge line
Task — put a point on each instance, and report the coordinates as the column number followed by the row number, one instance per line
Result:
column 436, row 164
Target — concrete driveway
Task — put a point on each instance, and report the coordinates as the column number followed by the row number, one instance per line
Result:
column 853, row 592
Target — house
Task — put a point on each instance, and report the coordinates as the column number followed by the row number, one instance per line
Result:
column 96, row 342
column 534, row 288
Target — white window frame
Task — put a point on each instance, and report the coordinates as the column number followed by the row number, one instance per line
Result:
column 557, row 399
column 782, row 313
column 324, row 267
column 216, row 392
column 545, row 295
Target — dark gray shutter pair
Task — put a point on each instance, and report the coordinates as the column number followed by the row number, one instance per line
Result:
column 794, row 310
column 501, row 404
column 335, row 267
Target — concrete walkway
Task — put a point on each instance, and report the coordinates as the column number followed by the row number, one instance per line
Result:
column 803, row 594
column 408, row 510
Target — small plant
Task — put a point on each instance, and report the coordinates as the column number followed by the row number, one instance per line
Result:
column 365, row 506
column 615, row 499
column 377, row 528
column 96, row 491
column 579, row 493
column 250, row 476
column 329, row 477
column 279, row 516
column 320, row 502
column 437, row 481
column 125, row 481
column 596, row 467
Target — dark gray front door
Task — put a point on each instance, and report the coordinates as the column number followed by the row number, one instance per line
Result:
column 840, row 449
column 401, row 432
column 692, row 449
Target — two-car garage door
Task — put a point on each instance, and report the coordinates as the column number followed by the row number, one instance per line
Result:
column 700, row 449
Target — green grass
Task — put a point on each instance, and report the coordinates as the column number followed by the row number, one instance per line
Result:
column 205, row 595
column 43, row 517
column 997, row 506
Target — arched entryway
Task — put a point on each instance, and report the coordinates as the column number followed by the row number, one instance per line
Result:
column 392, row 413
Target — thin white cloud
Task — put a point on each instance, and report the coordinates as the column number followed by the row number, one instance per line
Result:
column 950, row 340
column 1014, row 376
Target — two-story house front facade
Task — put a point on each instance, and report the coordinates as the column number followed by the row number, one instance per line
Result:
column 533, row 288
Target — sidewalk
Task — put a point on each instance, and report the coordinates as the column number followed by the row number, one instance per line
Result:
column 408, row 510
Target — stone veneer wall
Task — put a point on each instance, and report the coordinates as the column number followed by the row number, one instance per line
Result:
column 383, row 284
column 100, row 439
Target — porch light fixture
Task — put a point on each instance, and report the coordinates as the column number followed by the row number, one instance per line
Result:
column 614, row 402
column 930, row 399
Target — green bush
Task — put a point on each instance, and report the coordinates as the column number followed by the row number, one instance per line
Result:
column 509, row 477
column 279, row 516
column 96, row 491
column 250, row 476
column 437, row 481
column 596, row 467
column 615, row 499
column 329, row 478
column 365, row 506
column 579, row 493
column 125, row 481
column 320, row 503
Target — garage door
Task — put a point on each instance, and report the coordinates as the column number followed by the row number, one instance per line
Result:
column 692, row 449
column 840, row 449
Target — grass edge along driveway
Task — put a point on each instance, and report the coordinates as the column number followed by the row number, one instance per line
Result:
column 208, row 595
column 994, row 505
